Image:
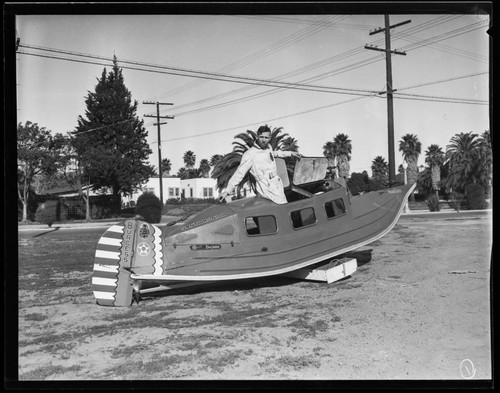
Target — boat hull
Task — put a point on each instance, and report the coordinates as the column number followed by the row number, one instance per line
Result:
column 248, row 238
column 225, row 251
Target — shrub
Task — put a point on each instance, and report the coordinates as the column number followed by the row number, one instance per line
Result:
column 433, row 203
column 47, row 213
column 476, row 198
column 149, row 206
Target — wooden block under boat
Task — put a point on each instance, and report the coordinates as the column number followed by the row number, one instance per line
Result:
column 331, row 271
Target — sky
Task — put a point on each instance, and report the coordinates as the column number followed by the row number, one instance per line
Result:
column 442, row 80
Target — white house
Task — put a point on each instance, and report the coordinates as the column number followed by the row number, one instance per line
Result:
column 174, row 187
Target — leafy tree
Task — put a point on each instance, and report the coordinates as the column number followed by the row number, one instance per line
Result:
column 225, row 168
column 189, row 159
column 411, row 147
column 475, row 196
column 204, row 169
column 149, row 207
column 434, row 157
column 425, row 184
column 380, row 170
column 38, row 153
column 47, row 212
column 110, row 142
column 360, row 182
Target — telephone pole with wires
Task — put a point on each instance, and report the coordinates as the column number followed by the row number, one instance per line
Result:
column 390, row 90
column 158, row 124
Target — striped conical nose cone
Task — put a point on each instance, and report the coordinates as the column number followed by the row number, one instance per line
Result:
column 111, row 282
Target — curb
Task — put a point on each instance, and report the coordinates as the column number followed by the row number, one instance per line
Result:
column 92, row 224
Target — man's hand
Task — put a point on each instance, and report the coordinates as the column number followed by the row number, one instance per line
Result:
column 223, row 196
column 296, row 155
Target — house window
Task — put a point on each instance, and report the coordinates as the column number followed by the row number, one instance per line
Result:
column 335, row 208
column 262, row 225
column 303, row 217
column 208, row 192
column 173, row 192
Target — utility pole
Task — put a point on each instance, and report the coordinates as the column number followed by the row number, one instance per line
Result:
column 159, row 138
column 390, row 90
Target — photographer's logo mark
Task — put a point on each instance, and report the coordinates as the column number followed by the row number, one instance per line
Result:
column 467, row 369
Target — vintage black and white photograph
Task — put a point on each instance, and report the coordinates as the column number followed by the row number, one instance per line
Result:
column 298, row 193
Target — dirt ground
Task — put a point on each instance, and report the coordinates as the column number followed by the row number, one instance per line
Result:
column 417, row 308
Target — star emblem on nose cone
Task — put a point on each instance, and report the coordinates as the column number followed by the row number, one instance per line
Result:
column 143, row 249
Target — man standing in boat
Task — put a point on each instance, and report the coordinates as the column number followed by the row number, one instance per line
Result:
column 259, row 160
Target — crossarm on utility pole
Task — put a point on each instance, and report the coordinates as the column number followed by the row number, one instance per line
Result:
column 390, row 90
column 158, row 124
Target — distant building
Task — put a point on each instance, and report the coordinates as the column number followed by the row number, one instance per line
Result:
column 174, row 187
column 71, row 191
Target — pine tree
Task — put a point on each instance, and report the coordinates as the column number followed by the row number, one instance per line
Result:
column 111, row 141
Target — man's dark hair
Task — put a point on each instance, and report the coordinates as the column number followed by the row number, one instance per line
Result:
column 263, row 129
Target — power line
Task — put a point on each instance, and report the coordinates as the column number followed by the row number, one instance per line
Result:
column 207, row 75
column 442, row 81
column 262, row 82
column 421, row 97
column 100, row 128
column 309, row 67
column 309, row 22
column 366, row 93
column 318, row 77
column 324, row 62
column 264, row 121
column 264, row 52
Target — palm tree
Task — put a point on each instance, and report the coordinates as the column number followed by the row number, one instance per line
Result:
column 225, row 167
column 204, row 169
column 434, row 157
column 289, row 144
column 411, row 147
column 189, row 159
column 166, row 167
column 339, row 151
column 215, row 159
column 329, row 153
column 486, row 156
column 380, row 170
column 343, row 149
column 469, row 159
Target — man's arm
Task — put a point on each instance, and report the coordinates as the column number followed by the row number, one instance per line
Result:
column 282, row 154
column 239, row 174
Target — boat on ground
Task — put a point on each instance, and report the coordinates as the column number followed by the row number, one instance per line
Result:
column 246, row 238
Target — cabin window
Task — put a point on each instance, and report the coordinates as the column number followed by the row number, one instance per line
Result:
column 261, row 225
column 303, row 217
column 335, row 208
